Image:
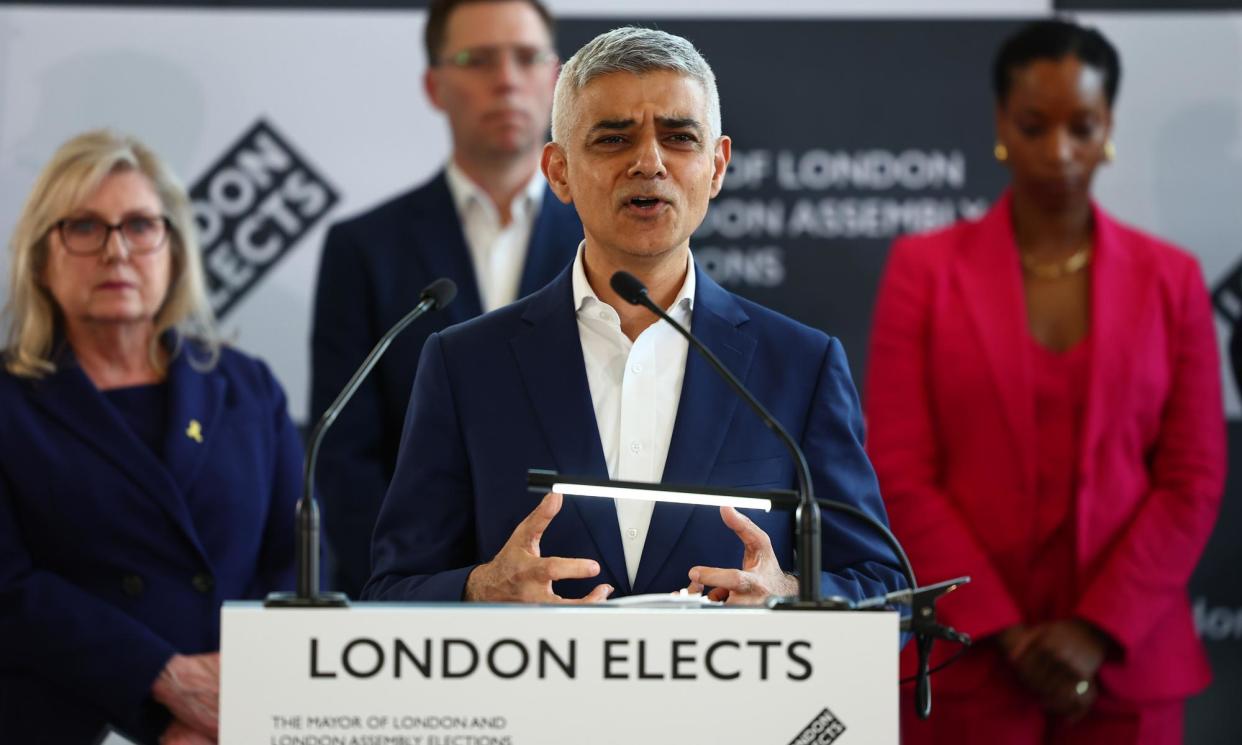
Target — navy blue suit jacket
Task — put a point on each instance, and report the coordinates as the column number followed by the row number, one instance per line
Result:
column 112, row 558
column 372, row 271
column 508, row 391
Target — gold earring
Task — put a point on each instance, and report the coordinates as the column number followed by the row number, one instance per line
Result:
column 1001, row 152
column 1110, row 151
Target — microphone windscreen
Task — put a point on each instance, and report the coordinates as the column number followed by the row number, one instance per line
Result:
column 629, row 287
column 442, row 291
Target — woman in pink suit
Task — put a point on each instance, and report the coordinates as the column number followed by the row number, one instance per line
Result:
column 1044, row 414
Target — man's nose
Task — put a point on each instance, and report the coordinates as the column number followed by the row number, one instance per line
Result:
column 648, row 161
column 507, row 71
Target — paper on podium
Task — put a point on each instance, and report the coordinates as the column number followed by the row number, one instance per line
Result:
column 111, row 737
column 679, row 599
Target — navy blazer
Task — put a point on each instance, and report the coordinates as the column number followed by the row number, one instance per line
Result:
column 373, row 268
column 508, row 391
column 113, row 559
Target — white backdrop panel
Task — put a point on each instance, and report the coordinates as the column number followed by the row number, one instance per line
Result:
column 343, row 88
column 1178, row 130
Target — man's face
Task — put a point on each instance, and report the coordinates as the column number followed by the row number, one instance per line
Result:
column 494, row 78
column 639, row 163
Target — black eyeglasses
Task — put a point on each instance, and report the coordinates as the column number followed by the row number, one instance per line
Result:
column 142, row 234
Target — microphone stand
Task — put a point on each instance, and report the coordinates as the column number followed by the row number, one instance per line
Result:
column 308, row 595
column 807, row 516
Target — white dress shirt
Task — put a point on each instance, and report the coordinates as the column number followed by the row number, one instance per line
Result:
column 497, row 252
column 635, row 389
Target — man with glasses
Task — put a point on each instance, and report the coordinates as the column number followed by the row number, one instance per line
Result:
column 487, row 221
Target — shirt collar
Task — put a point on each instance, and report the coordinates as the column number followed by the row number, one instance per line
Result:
column 466, row 193
column 584, row 295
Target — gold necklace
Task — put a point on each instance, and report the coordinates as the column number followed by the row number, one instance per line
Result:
column 1075, row 263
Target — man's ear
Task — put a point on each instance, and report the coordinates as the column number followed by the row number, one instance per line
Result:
column 720, row 162
column 556, row 171
column 431, row 88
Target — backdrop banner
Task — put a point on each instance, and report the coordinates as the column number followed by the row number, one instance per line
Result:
column 847, row 132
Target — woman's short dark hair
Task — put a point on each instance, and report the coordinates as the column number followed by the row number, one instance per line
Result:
column 1053, row 40
column 438, row 12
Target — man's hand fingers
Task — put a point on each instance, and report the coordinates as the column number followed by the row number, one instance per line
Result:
column 694, row 588
column 530, row 530
column 718, row 594
column 554, row 568
column 753, row 537
column 597, row 595
column 733, row 580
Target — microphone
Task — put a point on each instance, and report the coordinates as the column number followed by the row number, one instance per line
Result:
column 433, row 297
column 632, row 290
column 922, row 599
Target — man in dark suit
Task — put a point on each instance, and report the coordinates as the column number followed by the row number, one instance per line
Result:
column 574, row 379
column 487, row 221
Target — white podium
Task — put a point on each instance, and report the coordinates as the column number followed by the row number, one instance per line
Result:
column 463, row 674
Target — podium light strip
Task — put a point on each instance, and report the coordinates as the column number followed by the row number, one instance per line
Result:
column 659, row 495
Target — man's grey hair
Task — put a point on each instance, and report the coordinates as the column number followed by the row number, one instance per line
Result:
column 637, row 51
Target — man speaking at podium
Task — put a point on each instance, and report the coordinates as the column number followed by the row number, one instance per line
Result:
column 575, row 379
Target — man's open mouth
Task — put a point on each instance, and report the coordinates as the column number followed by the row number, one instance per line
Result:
column 646, row 202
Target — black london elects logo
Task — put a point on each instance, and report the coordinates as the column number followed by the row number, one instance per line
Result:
column 825, row 728
column 1227, row 295
column 253, row 205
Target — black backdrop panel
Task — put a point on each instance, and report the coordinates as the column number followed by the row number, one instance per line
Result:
column 845, row 134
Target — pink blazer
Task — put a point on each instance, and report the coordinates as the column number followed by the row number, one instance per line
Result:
column 951, row 431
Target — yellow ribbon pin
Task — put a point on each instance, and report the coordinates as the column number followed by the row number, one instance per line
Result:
column 195, row 431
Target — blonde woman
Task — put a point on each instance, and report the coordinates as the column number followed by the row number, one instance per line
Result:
column 146, row 472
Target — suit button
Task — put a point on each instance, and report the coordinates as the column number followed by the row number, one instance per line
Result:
column 203, row 583
column 132, row 585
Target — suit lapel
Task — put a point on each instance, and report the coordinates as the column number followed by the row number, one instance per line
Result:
column 437, row 225
column 990, row 277
column 71, row 398
column 549, row 358
column 550, row 248
column 1119, row 284
column 194, row 401
column 705, row 412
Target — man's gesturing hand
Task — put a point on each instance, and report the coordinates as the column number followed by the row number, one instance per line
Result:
column 760, row 576
column 519, row 574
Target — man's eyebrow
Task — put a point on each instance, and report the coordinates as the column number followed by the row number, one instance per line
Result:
column 611, row 125
column 679, row 122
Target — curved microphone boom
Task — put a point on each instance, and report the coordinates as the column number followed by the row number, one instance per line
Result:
column 923, row 622
column 433, row 297
column 632, row 291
